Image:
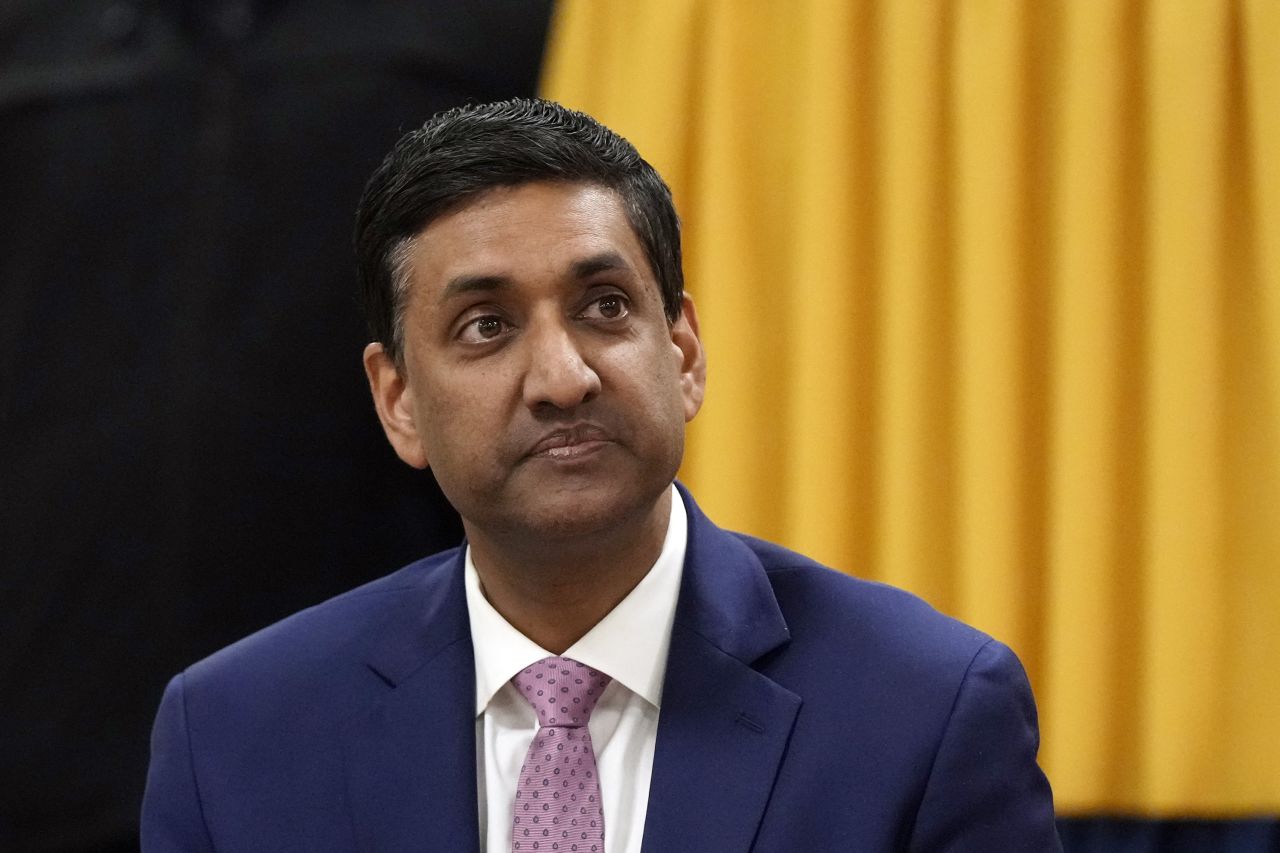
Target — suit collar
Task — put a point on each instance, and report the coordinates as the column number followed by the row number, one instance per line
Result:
column 724, row 726
column 410, row 755
column 429, row 613
column 725, row 595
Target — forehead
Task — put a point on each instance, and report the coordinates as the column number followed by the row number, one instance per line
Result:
column 524, row 232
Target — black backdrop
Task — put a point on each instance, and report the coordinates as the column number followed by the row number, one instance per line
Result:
column 187, row 449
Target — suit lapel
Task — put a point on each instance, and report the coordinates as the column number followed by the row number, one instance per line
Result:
column 723, row 729
column 411, row 757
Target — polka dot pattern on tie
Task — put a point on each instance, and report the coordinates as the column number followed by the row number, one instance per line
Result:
column 558, row 807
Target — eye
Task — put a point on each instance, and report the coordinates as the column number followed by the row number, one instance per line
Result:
column 482, row 329
column 611, row 306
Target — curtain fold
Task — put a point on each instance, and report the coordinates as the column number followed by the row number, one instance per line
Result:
column 991, row 296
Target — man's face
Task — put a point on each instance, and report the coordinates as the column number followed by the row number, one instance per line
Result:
column 542, row 382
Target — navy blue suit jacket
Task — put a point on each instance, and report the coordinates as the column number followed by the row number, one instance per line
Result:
column 803, row 710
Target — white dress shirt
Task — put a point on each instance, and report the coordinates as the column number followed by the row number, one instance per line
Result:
column 630, row 644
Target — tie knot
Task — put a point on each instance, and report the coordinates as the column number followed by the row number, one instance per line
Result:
column 562, row 691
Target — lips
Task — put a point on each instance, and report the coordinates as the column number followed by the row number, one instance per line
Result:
column 570, row 442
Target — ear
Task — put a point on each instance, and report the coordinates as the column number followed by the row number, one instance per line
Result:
column 393, row 399
column 693, row 359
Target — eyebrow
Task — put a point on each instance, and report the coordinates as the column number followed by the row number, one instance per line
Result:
column 461, row 284
column 603, row 262
column 584, row 268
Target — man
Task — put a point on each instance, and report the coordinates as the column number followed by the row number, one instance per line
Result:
column 599, row 668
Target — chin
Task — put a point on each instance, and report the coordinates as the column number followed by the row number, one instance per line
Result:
column 578, row 513
column 575, row 518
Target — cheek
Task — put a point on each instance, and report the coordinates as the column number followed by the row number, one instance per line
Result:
column 454, row 426
column 658, row 397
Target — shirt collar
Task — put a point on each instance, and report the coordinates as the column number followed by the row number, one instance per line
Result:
column 630, row 643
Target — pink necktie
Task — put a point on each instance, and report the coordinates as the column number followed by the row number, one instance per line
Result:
column 558, row 808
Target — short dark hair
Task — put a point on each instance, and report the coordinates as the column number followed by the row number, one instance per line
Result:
column 465, row 151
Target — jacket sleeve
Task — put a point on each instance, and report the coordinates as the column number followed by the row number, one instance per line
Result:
column 172, row 815
column 985, row 791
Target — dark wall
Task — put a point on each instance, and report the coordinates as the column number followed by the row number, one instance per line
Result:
column 187, row 448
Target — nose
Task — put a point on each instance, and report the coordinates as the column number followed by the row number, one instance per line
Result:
column 558, row 375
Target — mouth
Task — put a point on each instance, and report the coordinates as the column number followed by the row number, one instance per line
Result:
column 570, row 443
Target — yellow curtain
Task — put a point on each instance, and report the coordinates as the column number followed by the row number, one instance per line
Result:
column 991, row 294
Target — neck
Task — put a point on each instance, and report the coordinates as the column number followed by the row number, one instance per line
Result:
column 555, row 592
